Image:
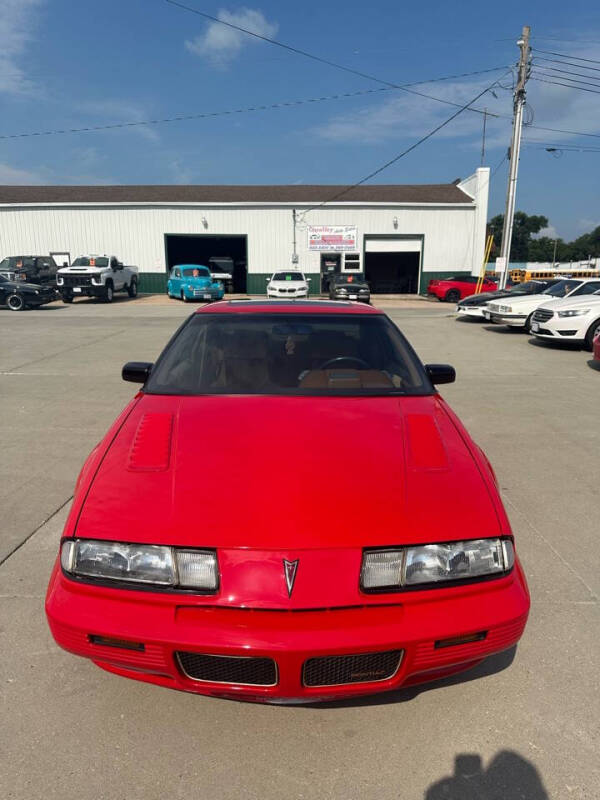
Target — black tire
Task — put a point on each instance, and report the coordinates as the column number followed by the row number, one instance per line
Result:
column 15, row 302
column 183, row 297
column 109, row 293
column 452, row 296
column 66, row 297
column 593, row 331
column 132, row 288
column 528, row 323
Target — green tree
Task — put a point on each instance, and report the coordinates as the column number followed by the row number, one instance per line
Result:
column 523, row 227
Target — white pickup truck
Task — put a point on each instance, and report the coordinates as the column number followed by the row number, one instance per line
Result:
column 96, row 276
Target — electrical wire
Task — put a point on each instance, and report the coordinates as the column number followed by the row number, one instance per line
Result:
column 566, row 71
column 551, row 53
column 563, row 78
column 397, row 158
column 567, row 63
column 566, row 85
column 266, row 107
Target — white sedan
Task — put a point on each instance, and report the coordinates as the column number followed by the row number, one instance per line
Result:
column 289, row 284
column 574, row 319
column 518, row 312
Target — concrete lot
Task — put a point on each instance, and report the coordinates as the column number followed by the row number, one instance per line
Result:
column 523, row 725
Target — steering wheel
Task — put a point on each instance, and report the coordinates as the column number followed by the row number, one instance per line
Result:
column 335, row 360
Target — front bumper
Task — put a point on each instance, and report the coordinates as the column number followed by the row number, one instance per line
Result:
column 514, row 320
column 361, row 298
column 287, row 295
column 565, row 329
column 204, row 294
column 92, row 290
column 165, row 624
column 470, row 311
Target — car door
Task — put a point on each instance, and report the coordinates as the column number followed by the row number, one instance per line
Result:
column 175, row 281
column 116, row 273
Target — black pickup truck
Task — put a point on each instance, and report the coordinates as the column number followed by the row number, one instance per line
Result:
column 29, row 269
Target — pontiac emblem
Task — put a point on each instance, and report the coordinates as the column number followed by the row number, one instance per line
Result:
column 289, row 569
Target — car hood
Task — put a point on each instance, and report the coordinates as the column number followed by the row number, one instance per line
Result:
column 482, row 298
column 288, row 284
column 350, row 286
column 573, row 302
column 203, row 283
column 253, row 472
column 524, row 301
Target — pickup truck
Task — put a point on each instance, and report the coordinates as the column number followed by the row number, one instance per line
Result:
column 30, row 269
column 96, row 276
column 221, row 269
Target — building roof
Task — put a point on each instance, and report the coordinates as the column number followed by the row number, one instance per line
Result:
column 301, row 194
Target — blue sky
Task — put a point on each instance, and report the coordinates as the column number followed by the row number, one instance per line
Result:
column 70, row 64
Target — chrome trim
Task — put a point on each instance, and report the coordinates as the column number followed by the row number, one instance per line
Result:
column 290, row 568
column 351, row 683
column 228, row 683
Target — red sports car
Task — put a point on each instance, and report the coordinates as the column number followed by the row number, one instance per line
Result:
column 287, row 511
column 454, row 289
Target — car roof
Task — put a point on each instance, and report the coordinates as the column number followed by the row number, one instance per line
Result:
column 193, row 266
column 287, row 307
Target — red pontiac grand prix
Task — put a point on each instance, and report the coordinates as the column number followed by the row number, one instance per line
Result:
column 287, row 511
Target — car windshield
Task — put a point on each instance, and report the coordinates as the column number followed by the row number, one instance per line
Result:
column 90, row 261
column 287, row 276
column 562, row 288
column 358, row 278
column 196, row 272
column 18, row 262
column 528, row 287
column 291, row 354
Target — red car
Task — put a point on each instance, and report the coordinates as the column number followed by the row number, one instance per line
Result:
column 457, row 288
column 287, row 511
column 596, row 348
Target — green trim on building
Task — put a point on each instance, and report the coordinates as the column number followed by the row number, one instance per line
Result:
column 152, row 282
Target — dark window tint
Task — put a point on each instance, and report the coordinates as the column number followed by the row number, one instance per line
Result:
column 307, row 354
column 196, row 272
column 287, row 276
column 587, row 288
column 92, row 261
column 562, row 288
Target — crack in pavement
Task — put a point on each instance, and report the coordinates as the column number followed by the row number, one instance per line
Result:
column 33, row 532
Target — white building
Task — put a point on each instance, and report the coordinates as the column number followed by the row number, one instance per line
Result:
column 399, row 236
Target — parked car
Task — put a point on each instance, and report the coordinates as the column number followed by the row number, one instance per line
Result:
column 300, row 598
column 596, row 350
column 222, row 268
column 454, row 289
column 18, row 296
column 288, row 284
column 518, row 312
column 193, row 282
column 474, row 305
column 96, row 276
column 29, row 269
column 573, row 319
column 344, row 286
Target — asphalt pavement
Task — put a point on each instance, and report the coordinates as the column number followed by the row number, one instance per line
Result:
column 524, row 724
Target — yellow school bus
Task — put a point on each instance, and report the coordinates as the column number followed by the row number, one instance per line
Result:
column 520, row 275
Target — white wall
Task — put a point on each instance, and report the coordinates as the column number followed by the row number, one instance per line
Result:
column 453, row 236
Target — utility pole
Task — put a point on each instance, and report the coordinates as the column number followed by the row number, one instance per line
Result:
column 554, row 256
column 515, row 150
column 483, row 136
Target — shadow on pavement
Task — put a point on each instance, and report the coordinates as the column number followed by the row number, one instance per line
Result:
column 554, row 345
column 489, row 666
column 471, row 320
column 505, row 329
column 508, row 775
column 593, row 364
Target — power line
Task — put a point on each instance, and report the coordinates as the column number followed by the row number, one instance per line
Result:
column 265, row 107
column 566, row 71
column 566, row 85
column 563, row 78
column 400, row 155
column 313, row 57
column 551, row 53
column 567, row 63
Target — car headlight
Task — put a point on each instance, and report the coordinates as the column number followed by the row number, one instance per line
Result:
column 574, row 312
column 505, row 309
column 141, row 563
column 435, row 563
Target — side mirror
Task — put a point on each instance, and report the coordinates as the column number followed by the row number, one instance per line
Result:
column 440, row 373
column 308, row 280
column 136, row 371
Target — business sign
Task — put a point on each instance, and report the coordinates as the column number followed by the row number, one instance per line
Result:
column 332, row 237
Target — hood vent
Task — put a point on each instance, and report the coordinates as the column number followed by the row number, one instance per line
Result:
column 151, row 448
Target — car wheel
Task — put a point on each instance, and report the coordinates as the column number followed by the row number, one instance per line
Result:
column 593, row 331
column 132, row 288
column 183, row 297
column 67, row 298
column 528, row 323
column 453, row 296
column 15, row 302
column 109, row 293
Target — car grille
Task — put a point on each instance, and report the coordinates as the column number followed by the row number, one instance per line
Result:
column 542, row 315
column 362, row 668
column 76, row 280
column 228, row 669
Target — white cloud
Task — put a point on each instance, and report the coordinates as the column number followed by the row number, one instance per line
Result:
column 550, row 232
column 221, row 44
column 111, row 111
column 13, row 176
column 17, row 26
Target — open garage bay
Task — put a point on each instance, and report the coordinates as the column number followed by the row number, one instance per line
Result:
column 524, row 724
